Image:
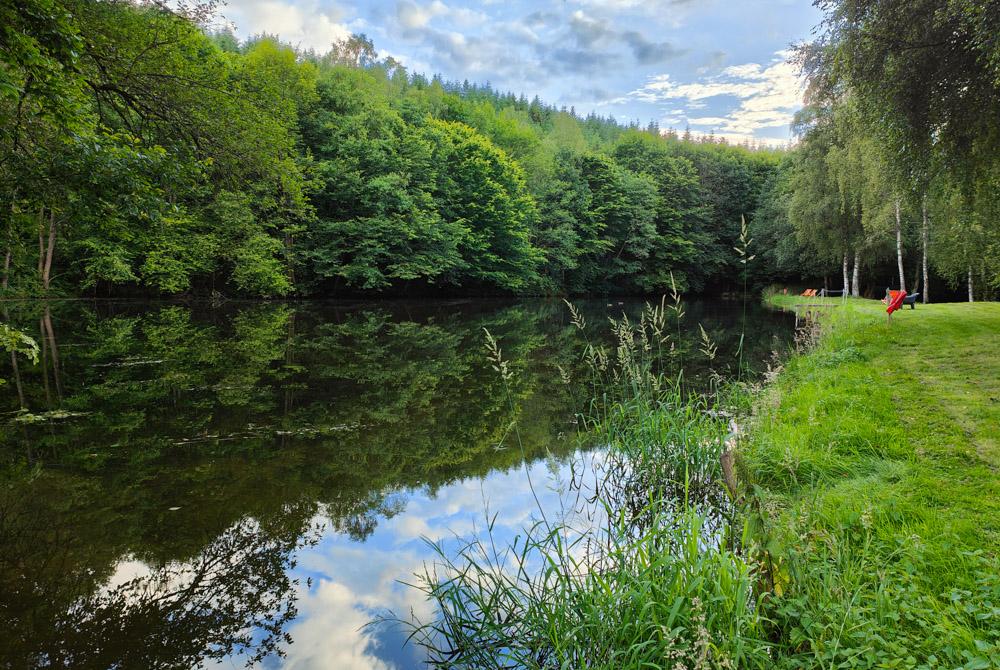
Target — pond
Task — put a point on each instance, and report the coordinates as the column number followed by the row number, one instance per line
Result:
column 199, row 485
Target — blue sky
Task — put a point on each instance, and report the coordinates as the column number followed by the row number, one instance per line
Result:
column 717, row 66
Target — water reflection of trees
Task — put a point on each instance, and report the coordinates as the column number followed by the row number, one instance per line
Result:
column 267, row 381
column 64, row 607
column 251, row 424
column 252, row 421
column 339, row 406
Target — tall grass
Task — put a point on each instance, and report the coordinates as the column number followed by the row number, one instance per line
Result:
column 647, row 571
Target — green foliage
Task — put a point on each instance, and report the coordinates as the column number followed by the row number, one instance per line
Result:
column 132, row 133
column 16, row 342
column 377, row 221
column 39, row 46
column 681, row 240
column 153, row 122
column 623, row 207
column 910, row 127
column 483, row 191
column 124, row 124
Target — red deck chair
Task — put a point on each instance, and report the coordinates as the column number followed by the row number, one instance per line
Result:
column 894, row 300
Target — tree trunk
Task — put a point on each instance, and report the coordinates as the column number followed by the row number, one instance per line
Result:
column 10, row 241
column 970, row 284
column 924, row 235
column 847, row 281
column 47, row 270
column 899, row 248
column 17, row 379
column 45, row 362
column 41, row 241
column 6, row 269
column 50, row 333
column 289, row 245
column 855, row 288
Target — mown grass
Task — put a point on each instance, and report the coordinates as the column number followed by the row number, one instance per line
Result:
column 873, row 469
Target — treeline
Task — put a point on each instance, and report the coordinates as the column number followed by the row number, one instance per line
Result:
column 143, row 153
column 896, row 178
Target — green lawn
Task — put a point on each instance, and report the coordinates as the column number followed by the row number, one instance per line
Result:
column 874, row 459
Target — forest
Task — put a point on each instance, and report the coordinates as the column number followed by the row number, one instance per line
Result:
column 144, row 153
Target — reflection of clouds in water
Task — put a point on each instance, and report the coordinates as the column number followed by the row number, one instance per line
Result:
column 126, row 570
column 330, row 633
column 147, row 580
column 352, row 582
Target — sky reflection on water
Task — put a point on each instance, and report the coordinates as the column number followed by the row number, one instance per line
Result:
column 186, row 485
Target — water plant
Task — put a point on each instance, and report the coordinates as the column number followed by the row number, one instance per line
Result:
column 743, row 251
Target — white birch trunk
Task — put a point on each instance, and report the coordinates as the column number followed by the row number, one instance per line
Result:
column 925, row 234
column 847, row 283
column 899, row 248
column 970, row 284
column 855, row 278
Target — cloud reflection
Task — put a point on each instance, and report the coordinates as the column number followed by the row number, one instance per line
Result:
column 352, row 581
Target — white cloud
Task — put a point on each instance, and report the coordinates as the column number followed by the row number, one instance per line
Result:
column 330, row 633
column 708, row 121
column 768, row 96
column 412, row 15
column 308, row 24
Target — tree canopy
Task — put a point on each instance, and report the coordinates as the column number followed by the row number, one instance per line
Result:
column 142, row 152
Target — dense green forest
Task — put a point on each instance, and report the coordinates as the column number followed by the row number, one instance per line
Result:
column 142, row 153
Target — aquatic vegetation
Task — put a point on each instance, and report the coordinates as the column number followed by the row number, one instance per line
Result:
column 645, row 564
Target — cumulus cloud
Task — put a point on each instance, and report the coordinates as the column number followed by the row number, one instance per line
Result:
column 590, row 32
column 308, row 24
column 768, row 96
column 527, row 50
column 412, row 15
column 647, row 52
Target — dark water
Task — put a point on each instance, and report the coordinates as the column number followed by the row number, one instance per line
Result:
column 185, row 486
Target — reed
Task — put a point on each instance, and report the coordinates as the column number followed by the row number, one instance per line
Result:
column 647, row 568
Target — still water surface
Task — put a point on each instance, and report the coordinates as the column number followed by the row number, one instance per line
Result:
column 188, row 486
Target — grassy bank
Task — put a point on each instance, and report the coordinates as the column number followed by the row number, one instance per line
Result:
column 873, row 464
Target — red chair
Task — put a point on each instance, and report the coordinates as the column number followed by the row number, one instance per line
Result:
column 894, row 300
